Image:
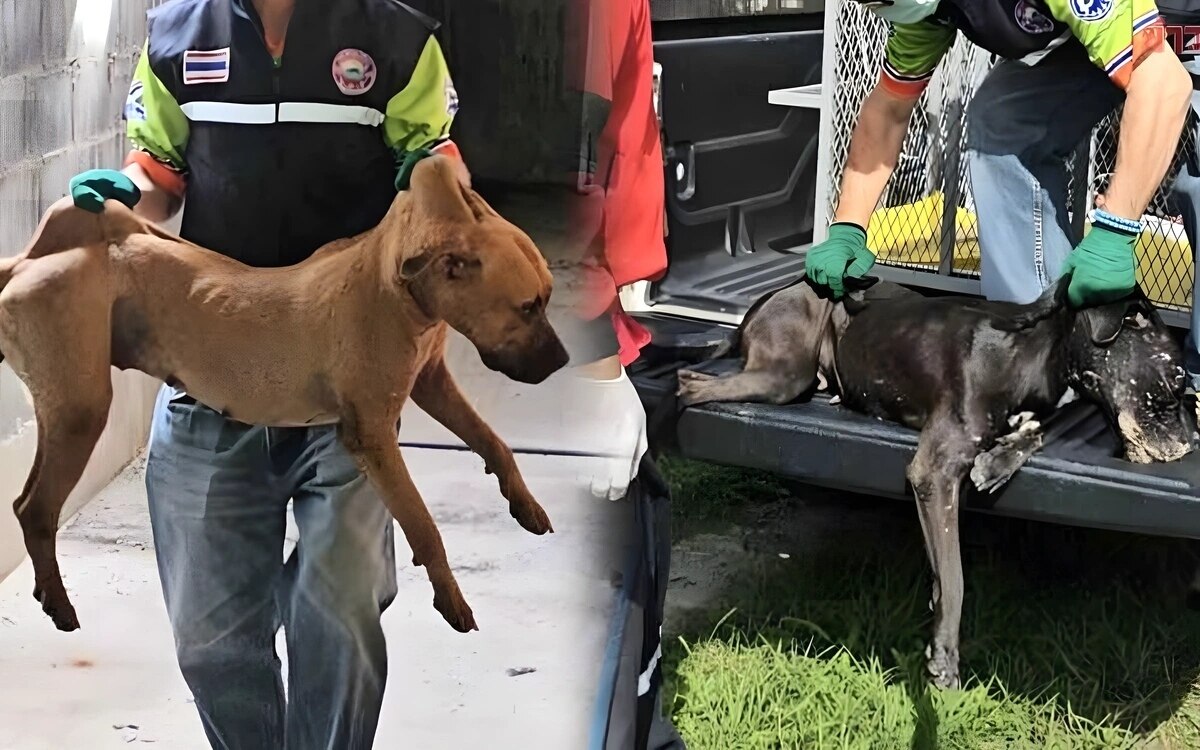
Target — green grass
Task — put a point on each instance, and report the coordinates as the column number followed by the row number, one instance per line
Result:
column 1071, row 639
column 704, row 493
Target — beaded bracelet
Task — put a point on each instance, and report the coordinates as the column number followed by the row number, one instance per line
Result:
column 1108, row 221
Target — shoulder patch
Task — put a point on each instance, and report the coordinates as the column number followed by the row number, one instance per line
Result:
column 135, row 108
column 1091, row 10
column 1030, row 19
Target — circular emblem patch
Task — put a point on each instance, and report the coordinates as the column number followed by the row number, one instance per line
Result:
column 353, row 71
column 1091, row 10
column 1030, row 19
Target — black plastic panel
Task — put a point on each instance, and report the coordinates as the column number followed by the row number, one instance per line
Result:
column 1075, row 479
column 741, row 172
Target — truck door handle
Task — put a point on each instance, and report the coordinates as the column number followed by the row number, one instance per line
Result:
column 681, row 169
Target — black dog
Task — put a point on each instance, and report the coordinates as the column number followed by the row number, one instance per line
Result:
column 974, row 377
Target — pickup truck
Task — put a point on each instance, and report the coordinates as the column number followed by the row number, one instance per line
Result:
column 742, row 183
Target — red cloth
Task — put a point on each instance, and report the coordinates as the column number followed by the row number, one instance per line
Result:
column 618, row 65
column 631, row 335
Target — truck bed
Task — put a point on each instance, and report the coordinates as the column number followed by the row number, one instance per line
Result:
column 1075, row 479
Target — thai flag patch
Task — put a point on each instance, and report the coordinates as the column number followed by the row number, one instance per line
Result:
column 211, row 66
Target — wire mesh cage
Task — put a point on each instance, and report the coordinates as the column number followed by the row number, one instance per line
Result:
column 926, row 220
column 1165, row 260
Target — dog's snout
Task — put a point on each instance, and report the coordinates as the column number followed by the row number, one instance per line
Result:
column 548, row 359
column 543, row 356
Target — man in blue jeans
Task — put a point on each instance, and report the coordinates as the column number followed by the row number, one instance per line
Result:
column 1066, row 64
column 277, row 154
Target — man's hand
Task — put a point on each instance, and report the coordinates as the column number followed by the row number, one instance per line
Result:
column 90, row 189
column 1102, row 267
column 844, row 253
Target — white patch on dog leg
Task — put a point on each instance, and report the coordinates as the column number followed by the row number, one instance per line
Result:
column 1016, row 421
column 1067, row 397
column 1031, row 425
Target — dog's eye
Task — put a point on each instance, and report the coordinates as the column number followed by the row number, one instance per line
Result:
column 531, row 307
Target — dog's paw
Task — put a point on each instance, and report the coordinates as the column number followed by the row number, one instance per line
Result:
column 942, row 665
column 690, row 392
column 58, row 608
column 531, row 517
column 993, row 468
column 453, row 607
column 695, row 375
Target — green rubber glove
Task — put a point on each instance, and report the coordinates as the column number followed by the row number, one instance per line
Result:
column 90, row 189
column 1101, row 267
column 408, row 162
column 844, row 253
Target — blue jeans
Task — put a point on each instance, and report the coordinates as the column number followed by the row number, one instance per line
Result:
column 1022, row 124
column 218, row 493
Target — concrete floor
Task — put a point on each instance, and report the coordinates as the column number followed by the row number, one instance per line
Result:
column 543, row 603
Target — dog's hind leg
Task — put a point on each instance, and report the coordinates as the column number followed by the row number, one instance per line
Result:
column 373, row 445
column 438, row 395
column 760, row 386
column 936, row 474
column 67, row 435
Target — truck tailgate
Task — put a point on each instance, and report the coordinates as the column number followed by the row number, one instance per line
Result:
column 1075, row 479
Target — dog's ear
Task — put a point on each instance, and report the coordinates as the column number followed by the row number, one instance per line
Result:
column 455, row 267
column 438, row 191
column 1104, row 323
column 856, row 292
column 415, row 265
column 859, row 284
column 452, row 266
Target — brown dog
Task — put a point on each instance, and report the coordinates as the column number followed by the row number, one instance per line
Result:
column 344, row 337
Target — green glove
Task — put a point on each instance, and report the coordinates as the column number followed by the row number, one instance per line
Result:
column 408, row 162
column 1101, row 267
column 844, row 253
column 90, row 189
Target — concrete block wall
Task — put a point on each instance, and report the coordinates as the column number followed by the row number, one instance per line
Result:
column 65, row 67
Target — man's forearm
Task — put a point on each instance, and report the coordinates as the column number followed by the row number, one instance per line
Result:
column 156, row 205
column 874, row 149
column 1156, row 106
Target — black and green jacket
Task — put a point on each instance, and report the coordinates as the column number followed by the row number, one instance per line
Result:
column 280, row 156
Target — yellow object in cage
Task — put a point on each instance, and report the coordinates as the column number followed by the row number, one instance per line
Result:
column 910, row 236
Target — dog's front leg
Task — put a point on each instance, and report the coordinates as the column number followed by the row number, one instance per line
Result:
column 937, row 473
column 438, row 395
column 375, row 448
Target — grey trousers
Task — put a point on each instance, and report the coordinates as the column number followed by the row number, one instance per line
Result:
column 218, row 493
